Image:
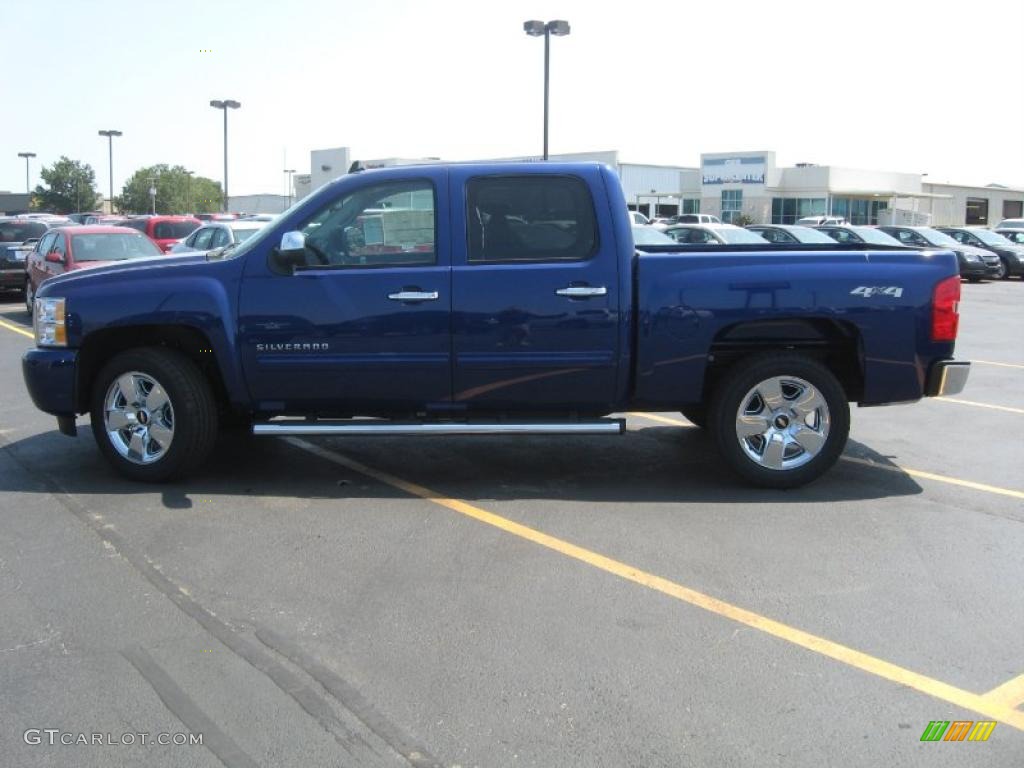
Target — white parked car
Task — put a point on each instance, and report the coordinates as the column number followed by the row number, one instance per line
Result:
column 638, row 218
column 1011, row 224
column 821, row 221
column 218, row 234
column 713, row 234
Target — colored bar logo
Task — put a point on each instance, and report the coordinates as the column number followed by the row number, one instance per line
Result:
column 958, row 730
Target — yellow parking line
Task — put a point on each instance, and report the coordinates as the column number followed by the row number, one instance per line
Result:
column 16, row 329
column 958, row 401
column 1001, row 365
column 1009, row 694
column 662, row 419
column 1013, row 494
column 806, row 640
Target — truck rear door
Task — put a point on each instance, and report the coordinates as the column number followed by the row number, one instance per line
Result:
column 534, row 291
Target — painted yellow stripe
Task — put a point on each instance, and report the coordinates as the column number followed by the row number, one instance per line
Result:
column 662, row 419
column 1013, row 494
column 958, row 401
column 16, row 329
column 836, row 651
column 1009, row 694
column 939, row 478
column 1001, row 365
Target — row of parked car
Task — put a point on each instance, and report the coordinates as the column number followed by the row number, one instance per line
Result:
column 982, row 253
column 36, row 247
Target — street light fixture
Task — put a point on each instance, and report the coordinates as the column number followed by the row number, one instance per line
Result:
column 289, row 171
column 27, row 156
column 225, row 105
column 536, row 28
column 110, row 148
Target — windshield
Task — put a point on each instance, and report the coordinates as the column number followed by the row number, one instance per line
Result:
column 989, row 238
column 20, row 231
column 739, row 236
column 808, row 235
column 241, row 235
column 935, row 237
column 112, row 247
column 650, row 236
column 875, row 236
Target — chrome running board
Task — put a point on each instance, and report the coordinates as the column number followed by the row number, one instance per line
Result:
column 380, row 427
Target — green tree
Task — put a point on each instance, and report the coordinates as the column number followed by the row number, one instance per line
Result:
column 176, row 191
column 69, row 185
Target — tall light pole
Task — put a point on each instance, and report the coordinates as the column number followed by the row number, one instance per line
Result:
column 289, row 171
column 536, row 29
column 225, row 105
column 27, row 156
column 188, row 191
column 110, row 156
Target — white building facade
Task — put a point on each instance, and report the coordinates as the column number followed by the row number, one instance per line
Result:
column 749, row 187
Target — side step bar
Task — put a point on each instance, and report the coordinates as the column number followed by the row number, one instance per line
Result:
column 380, row 427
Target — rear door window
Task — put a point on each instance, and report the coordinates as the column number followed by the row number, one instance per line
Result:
column 530, row 218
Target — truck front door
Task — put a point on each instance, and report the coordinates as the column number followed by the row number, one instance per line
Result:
column 364, row 326
column 535, row 292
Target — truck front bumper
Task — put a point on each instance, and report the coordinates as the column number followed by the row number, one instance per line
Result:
column 50, row 379
column 947, row 377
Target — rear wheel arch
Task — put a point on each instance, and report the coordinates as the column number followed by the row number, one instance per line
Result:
column 836, row 344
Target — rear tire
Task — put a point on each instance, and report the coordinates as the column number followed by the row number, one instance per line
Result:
column 30, row 298
column 779, row 419
column 153, row 414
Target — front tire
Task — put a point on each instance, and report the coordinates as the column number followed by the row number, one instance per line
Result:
column 780, row 419
column 1004, row 270
column 153, row 414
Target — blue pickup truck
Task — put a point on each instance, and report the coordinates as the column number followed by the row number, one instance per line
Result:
column 490, row 299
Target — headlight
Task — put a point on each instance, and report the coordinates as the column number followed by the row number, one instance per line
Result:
column 48, row 323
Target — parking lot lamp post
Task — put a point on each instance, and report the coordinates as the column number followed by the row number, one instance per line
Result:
column 289, row 171
column 110, row 157
column 188, row 192
column 225, row 105
column 536, row 29
column 27, row 156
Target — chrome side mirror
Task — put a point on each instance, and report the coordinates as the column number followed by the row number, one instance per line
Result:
column 292, row 241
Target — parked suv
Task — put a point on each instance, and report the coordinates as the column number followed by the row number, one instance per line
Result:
column 165, row 231
column 695, row 218
column 17, row 236
column 975, row 263
column 1011, row 255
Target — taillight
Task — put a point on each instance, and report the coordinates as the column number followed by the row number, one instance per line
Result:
column 946, row 309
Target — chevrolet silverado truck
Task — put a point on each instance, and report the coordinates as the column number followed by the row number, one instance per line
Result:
column 490, row 299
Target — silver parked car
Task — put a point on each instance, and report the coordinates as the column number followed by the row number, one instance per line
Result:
column 713, row 234
column 790, row 233
column 218, row 234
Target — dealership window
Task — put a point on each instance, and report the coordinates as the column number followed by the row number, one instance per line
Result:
column 876, row 206
column 732, row 204
column 693, row 206
column 977, row 210
column 1013, row 209
column 786, row 210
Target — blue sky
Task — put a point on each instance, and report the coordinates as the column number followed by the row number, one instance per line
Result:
column 910, row 86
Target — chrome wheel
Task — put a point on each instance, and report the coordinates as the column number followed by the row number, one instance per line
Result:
column 782, row 423
column 138, row 418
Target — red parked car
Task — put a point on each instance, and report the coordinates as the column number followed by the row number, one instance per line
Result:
column 65, row 249
column 165, row 231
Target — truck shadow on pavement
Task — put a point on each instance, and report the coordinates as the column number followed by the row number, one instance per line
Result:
column 650, row 465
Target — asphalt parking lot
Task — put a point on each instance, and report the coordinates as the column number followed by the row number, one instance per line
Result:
column 592, row 601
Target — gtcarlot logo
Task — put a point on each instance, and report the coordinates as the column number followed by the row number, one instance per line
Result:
column 55, row 737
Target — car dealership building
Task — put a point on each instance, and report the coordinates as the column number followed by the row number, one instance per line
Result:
column 749, row 186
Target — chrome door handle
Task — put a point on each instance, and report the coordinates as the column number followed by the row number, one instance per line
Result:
column 582, row 291
column 414, row 296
